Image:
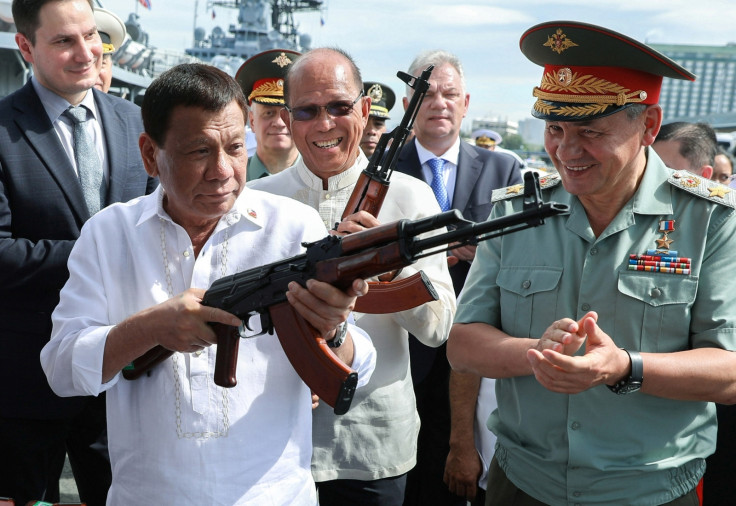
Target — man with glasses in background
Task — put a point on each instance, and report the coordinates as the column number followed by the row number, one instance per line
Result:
column 361, row 457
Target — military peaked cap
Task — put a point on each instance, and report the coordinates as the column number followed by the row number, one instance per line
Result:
column 262, row 76
column 111, row 29
column 382, row 98
column 592, row 72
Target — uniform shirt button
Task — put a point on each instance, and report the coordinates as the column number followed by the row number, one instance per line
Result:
column 526, row 284
column 656, row 292
column 585, row 307
column 186, row 254
column 594, row 251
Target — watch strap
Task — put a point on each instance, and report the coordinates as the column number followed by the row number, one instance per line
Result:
column 633, row 382
column 340, row 334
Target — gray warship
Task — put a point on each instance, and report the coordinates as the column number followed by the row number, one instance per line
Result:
column 261, row 25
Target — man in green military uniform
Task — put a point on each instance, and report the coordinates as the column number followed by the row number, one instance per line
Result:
column 610, row 329
column 382, row 100
column 262, row 80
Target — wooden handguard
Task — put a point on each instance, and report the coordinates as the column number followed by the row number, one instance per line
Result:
column 325, row 374
column 398, row 295
column 368, row 195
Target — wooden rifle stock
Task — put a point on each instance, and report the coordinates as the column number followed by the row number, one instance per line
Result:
column 146, row 362
column 228, row 339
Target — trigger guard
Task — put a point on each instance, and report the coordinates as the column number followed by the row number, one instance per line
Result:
column 246, row 332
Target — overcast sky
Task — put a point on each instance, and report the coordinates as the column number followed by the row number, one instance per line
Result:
column 384, row 35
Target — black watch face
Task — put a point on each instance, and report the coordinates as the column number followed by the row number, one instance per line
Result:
column 631, row 387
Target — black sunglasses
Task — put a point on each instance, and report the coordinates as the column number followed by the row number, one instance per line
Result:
column 334, row 109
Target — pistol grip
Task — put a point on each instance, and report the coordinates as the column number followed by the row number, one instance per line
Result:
column 226, row 361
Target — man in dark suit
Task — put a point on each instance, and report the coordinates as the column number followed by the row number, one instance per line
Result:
column 463, row 177
column 42, row 209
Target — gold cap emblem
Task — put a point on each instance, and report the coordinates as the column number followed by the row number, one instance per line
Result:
column 282, row 60
column 375, row 92
column 559, row 42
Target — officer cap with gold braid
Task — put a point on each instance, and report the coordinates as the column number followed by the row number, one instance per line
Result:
column 111, row 29
column 382, row 98
column 591, row 71
column 262, row 76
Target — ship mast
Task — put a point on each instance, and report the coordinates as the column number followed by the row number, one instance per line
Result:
column 282, row 13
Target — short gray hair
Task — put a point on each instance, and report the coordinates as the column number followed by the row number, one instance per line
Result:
column 435, row 57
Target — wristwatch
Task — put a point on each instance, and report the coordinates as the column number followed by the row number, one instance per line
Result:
column 341, row 332
column 636, row 377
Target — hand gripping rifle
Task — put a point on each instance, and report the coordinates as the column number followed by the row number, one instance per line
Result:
column 387, row 296
column 340, row 260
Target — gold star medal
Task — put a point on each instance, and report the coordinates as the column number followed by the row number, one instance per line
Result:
column 665, row 226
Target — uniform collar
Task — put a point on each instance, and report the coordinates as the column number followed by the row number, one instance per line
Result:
column 337, row 182
column 653, row 195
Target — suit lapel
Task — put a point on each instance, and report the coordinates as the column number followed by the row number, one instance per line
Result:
column 33, row 121
column 117, row 138
column 469, row 168
column 409, row 159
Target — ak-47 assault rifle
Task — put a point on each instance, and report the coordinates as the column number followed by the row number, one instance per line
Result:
column 387, row 296
column 371, row 188
column 338, row 261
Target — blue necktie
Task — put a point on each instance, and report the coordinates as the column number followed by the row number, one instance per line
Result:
column 89, row 167
column 438, row 183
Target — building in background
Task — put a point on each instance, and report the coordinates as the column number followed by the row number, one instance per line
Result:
column 502, row 126
column 711, row 98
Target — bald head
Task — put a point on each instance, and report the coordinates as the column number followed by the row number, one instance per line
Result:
column 325, row 111
column 333, row 57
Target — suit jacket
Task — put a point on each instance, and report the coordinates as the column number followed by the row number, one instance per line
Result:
column 479, row 172
column 42, row 210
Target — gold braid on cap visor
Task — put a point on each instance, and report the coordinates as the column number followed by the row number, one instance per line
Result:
column 596, row 93
column 269, row 92
column 379, row 109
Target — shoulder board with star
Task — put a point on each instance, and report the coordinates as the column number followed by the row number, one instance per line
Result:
column 546, row 181
column 704, row 188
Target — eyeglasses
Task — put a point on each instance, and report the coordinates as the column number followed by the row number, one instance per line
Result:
column 334, row 109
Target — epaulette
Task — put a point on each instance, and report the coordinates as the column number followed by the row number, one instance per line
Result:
column 704, row 188
column 546, row 181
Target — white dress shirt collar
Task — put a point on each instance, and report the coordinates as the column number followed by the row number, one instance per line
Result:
column 451, row 155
